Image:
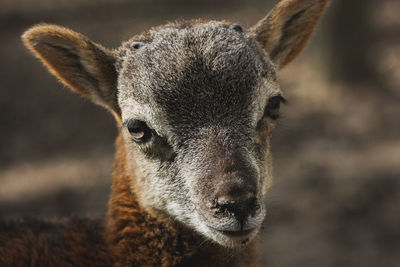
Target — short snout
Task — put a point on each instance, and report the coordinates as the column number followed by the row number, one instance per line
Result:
column 228, row 190
column 234, row 200
column 235, row 211
column 234, row 205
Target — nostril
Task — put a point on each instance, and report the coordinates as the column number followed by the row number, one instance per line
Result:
column 240, row 206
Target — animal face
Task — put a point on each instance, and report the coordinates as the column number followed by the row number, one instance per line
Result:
column 196, row 102
column 202, row 98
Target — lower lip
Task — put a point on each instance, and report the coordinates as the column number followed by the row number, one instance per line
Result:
column 235, row 234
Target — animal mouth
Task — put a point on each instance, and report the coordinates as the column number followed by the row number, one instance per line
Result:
column 238, row 234
column 230, row 231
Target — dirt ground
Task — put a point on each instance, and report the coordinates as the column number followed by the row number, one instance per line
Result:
column 336, row 196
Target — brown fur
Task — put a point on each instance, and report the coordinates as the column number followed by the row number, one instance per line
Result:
column 72, row 242
column 131, row 237
column 284, row 32
column 61, row 50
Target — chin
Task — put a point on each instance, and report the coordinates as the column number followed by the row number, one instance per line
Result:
column 233, row 239
column 229, row 234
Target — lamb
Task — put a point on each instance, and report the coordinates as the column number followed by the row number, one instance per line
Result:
column 196, row 103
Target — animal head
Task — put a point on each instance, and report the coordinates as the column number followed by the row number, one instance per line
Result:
column 197, row 102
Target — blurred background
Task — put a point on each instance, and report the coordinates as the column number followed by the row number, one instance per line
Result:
column 336, row 195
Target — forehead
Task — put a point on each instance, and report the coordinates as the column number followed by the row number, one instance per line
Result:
column 193, row 75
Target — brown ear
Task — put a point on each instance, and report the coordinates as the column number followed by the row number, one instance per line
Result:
column 286, row 29
column 84, row 66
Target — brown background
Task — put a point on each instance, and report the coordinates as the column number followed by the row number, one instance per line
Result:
column 336, row 197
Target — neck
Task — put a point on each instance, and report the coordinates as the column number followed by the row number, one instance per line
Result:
column 140, row 238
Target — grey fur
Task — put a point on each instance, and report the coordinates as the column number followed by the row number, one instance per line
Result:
column 203, row 88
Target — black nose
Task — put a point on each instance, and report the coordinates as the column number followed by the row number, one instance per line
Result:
column 240, row 205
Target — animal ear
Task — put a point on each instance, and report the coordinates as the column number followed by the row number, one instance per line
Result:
column 284, row 32
column 84, row 66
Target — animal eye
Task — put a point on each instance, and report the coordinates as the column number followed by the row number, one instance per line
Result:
column 137, row 45
column 139, row 131
column 272, row 109
column 236, row 27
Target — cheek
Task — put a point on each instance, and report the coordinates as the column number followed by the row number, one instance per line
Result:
column 144, row 178
column 269, row 177
column 262, row 144
column 190, row 176
column 158, row 185
column 265, row 130
column 141, row 175
column 265, row 127
column 262, row 141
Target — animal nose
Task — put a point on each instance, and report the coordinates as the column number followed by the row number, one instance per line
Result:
column 240, row 205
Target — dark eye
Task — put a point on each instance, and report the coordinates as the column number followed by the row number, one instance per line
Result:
column 236, row 27
column 137, row 45
column 272, row 109
column 139, row 131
